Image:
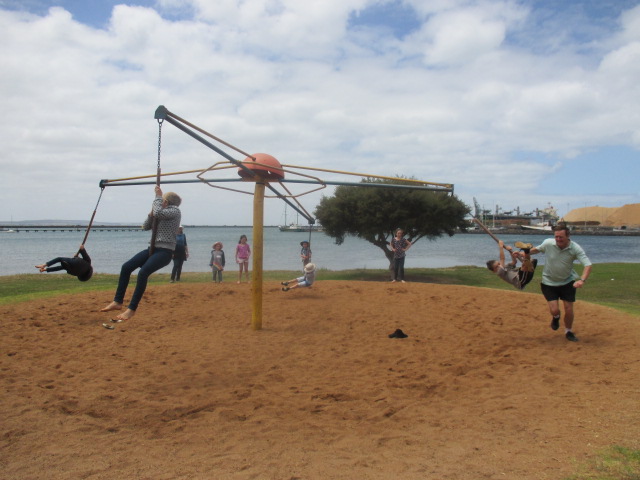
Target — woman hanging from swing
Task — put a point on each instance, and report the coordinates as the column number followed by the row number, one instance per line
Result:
column 164, row 221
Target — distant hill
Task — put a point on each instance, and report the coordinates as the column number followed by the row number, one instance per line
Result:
column 627, row 215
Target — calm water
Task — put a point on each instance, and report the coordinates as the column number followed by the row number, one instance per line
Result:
column 108, row 250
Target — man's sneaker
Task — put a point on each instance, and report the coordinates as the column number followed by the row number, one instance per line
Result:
column 555, row 323
column 571, row 337
column 524, row 247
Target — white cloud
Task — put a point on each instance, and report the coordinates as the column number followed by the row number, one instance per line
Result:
column 630, row 23
column 459, row 37
column 455, row 101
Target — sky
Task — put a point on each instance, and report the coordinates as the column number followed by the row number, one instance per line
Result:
column 518, row 103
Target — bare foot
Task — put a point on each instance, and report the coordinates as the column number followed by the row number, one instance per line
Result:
column 127, row 315
column 112, row 306
column 42, row 268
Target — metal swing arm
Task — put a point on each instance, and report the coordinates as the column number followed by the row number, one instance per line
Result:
column 165, row 115
column 139, row 181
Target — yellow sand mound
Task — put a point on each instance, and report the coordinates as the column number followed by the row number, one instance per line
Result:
column 628, row 215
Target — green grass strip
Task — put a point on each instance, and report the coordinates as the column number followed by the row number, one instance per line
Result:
column 615, row 463
column 614, row 285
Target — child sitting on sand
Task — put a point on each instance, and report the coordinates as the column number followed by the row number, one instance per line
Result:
column 305, row 281
column 79, row 267
column 518, row 277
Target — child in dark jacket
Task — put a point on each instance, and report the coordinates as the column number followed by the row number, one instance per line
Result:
column 76, row 266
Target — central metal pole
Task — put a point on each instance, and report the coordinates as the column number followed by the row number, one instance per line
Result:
column 258, row 249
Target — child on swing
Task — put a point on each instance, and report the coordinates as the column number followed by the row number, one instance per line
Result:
column 518, row 277
column 76, row 266
column 304, row 281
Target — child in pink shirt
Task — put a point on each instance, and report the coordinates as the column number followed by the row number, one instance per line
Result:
column 243, row 251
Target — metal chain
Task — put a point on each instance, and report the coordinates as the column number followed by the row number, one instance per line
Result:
column 154, row 226
column 159, row 140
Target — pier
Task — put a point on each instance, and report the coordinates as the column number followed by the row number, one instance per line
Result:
column 502, row 230
column 68, row 228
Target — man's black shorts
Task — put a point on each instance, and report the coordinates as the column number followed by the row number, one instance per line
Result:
column 564, row 292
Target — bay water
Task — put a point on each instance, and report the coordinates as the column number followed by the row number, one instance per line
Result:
column 21, row 251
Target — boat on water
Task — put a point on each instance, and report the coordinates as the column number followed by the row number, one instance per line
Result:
column 8, row 230
column 545, row 227
column 296, row 227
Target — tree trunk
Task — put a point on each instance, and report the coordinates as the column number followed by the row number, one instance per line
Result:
column 389, row 255
column 384, row 246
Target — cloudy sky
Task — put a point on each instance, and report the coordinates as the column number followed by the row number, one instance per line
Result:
column 518, row 103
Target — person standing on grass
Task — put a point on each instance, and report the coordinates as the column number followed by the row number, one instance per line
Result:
column 243, row 252
column 217, row 262
column 399, row 246
column 180, row 255
column 305, row 253
column 559, row 279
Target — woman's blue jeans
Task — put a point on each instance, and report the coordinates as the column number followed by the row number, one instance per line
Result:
column 398, row 268
column 147, row 264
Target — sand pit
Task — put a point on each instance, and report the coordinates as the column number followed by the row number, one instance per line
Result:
column 481, row 389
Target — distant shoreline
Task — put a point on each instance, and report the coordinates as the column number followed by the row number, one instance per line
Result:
column 575, row 230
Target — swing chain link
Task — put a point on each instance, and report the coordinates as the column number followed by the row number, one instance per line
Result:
column 160, row 120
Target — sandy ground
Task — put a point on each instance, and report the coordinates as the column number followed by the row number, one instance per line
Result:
column 481, row 389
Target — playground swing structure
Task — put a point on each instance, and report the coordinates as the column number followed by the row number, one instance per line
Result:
column 102, row 187
column 268, row 175
column 93, row 216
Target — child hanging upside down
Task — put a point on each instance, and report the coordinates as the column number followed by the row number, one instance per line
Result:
column 518, row 277
column 305, row 281
column 79, row 267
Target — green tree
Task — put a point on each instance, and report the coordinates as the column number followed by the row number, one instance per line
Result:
column 374, row 213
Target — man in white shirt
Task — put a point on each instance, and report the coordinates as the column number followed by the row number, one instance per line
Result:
column 559, row 279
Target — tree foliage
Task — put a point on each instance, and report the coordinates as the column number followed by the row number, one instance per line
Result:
column 374, row 213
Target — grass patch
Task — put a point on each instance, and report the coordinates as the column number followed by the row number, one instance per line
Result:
column 615, row 463
column 611, row 284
